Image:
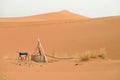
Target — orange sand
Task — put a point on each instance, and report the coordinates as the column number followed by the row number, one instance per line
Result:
column 63, row 70
column 62, row 15
column 66, row 35
column 63, row 38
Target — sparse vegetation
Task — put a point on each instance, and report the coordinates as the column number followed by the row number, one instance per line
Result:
column 85, row 56
column 3, row 76
column 102, row 53
column 95, row 54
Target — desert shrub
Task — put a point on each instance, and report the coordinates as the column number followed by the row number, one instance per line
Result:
column 102, row 53
column 3, row 76
column 85, row 56
column 93, row 54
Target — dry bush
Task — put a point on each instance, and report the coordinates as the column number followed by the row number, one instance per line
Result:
column 102, row 53
column 85, row 56
column 95, row 54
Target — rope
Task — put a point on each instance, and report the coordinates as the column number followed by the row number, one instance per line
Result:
column 40, row 46
column 57, row 57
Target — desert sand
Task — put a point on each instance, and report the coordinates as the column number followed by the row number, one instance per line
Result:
column 61, row 15
column 66, row 70
column 66, row 35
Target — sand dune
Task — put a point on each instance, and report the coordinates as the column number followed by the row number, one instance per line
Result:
column 62, row 37
column 62, row 15
column 63, row 33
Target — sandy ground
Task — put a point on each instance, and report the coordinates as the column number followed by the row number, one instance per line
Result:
column 65, row 69
column 65, row 37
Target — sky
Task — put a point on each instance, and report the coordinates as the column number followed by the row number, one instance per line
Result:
column 89, row 8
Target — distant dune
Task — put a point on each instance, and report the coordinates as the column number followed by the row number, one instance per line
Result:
column 62, row 15
column 65, row 34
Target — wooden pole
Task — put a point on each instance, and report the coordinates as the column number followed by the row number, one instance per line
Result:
column 43, row 52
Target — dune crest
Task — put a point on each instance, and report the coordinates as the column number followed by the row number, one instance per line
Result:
column 65, row 34
column 61, row 15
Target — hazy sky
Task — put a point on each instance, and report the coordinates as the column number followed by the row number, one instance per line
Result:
column 90, row 8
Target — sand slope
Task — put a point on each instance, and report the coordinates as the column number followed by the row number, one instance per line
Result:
column 62, row 15
column 74, row 35
column 62, row 37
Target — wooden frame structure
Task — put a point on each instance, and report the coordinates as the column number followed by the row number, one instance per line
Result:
column 39, row 54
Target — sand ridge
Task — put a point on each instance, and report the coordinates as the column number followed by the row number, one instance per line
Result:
column 61, row 15
column 63, row 36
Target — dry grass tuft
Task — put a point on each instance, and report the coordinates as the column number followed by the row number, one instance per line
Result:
column 95, row 54
column 102, row 53
column 85, row 56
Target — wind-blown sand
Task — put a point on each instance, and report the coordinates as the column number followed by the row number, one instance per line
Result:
column 64, row 36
